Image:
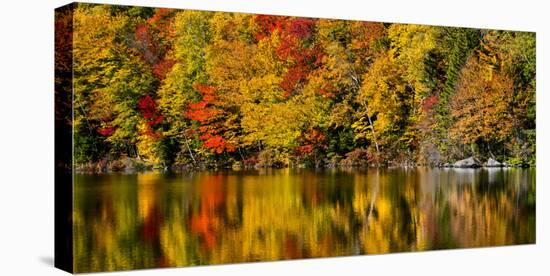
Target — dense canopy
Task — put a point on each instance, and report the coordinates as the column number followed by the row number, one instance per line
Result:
column 197, row 88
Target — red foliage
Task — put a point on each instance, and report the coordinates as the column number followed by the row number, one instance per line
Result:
column 429, row 102
column 326, row 93
column 305, row 61
column 210, row 118
column 162, row 17
column 288, row 48
column 267, row 24
column 106, row 130
column 203, row 111
column 152, row 133
column 146, row 44
column 150, row 113
column 216, row 143
column 294, row 49
column 372, row 32
column 142, row 34
column 162, row 68
column 304, row 149
column 162, row 22
column 147, row 106
column 311, row 140
column 301, row 28
column 291, row 47
column 292, row 78
column 151, row 41
column 328, row 90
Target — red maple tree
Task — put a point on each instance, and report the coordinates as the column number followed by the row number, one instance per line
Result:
column 311, row 140
column 210, row 118
column 107, row 130
column 151, row 114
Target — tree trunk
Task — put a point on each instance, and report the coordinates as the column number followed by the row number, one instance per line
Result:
column 189, row 149
column 241, row 154
column 372, row 130
column 490, row 152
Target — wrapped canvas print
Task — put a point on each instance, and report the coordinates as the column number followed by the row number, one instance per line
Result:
column 189, row 137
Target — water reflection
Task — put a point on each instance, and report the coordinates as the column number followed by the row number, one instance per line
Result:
column 156, row 220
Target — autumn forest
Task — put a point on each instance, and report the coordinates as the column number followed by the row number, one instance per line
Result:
column 166, row 88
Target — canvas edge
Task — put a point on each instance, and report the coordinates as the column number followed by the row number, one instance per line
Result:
column 63, row 141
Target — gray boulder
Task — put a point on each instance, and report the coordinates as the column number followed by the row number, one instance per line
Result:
column 505, row 164
column 470, row 162
column 492, row 163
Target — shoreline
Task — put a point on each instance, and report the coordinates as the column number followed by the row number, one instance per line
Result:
column 87, row 169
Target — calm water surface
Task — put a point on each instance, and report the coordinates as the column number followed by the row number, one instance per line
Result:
column 131, row 221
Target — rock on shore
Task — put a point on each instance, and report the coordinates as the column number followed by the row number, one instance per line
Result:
column 492, row 163
column 470, row 162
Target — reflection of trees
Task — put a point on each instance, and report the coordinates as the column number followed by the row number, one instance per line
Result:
column 155, row 220
column 485, row 209
column 206, row 222
column 387, row 204
column 107, row 222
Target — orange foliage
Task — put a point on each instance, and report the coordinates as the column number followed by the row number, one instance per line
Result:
column 267, row 24
column 480, row 109
column 311, row 140
column 203, row 223
column 210, row 117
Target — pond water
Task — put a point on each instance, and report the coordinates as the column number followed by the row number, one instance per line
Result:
column 146, row 220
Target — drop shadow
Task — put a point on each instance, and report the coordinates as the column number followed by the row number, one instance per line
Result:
column 47, row 260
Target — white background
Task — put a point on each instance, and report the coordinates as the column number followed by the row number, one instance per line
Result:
column 26, row 136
